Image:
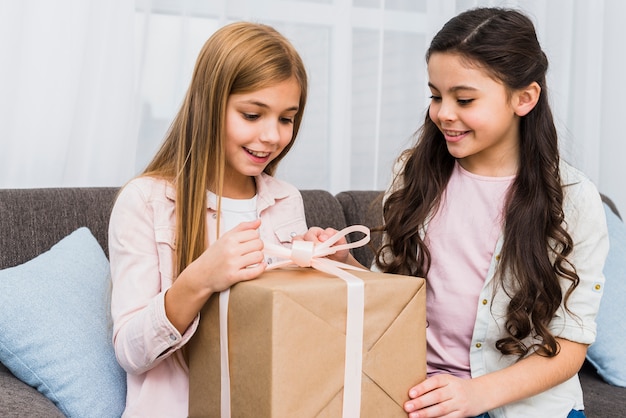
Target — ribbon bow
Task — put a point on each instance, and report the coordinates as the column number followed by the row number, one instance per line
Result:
column 309, row 254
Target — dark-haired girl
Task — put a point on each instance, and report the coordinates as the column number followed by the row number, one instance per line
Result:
column 510, row 239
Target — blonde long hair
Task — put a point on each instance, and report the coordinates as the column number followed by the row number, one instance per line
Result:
column 239, row 58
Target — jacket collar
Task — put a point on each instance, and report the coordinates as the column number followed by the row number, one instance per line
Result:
column 268, row 191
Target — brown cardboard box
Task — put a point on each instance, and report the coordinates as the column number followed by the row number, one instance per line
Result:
column 287, row 346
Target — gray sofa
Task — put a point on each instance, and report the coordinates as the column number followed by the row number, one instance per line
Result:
column 32, row 220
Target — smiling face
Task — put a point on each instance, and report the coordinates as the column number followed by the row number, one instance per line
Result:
column 476, row 115
column 259, row 125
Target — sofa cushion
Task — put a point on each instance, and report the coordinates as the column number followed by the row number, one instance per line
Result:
column 608, row 353
column 55, row 327
column 18, row 400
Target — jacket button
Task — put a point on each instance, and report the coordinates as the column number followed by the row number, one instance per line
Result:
column 478, row 345
column 484, row 301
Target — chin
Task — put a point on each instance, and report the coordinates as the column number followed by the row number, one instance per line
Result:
column 254, row 173
column 458, row 154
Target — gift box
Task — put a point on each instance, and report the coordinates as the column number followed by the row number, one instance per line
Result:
column 287, row 341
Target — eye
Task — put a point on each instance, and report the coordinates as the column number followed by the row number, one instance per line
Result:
column 250, row 116
column 435, row 98
column 464, row 102
column 286, row 120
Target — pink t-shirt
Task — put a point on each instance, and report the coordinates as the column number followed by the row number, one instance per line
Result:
column 461, row 238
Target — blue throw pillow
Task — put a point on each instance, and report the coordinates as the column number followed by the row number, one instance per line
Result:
column 55, row 328
column 608, row 353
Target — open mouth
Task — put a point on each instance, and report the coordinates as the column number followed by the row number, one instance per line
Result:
column 454, row 134
column 257, row 154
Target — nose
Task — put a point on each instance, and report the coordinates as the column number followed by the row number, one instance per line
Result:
column 445, row 111
column 270, row 132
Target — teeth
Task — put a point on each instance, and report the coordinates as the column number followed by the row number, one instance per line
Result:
column 450, row 133
column 258, row 153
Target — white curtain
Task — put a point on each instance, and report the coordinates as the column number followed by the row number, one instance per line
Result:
column 89, row 87
column 66, row 96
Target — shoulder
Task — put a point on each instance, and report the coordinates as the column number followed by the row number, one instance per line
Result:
column 143, row 203
column 571, row 176
column 142, row 193
column 148, row 188
column 579, row 190
column 582, row 203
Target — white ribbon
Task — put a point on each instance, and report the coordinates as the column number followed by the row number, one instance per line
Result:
column 224, row 360
column 309, row 254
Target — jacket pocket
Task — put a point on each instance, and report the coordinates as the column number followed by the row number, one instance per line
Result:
column 285, row 233
column 166, row 245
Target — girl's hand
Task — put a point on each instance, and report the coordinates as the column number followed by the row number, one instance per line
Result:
column 444, row 395
column 236, row 256
column 319, row 235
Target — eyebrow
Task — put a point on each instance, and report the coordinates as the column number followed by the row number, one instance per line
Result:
column 455, row 88
column 265, row 106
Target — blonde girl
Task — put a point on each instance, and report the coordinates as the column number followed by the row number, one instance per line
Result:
column 193, row 223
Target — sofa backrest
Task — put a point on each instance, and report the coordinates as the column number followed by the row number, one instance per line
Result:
column 33, row 220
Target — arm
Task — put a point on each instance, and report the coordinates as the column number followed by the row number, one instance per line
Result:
column 141, row 268
column 235, row 257
column 154, row 315
column 574, row 330
column 446, row 395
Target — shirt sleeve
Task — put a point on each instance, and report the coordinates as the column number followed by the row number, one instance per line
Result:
column 586, row 223
column 142, row 334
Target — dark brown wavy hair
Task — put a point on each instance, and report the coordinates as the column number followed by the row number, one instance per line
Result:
column 536, row 244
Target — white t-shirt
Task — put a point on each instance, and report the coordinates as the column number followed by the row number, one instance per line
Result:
column 235, row 211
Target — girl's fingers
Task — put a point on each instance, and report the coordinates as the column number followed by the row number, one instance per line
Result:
column 251, row 259
column 241, row 236
column 252, row 271
column 249, row 246
column 312, row 234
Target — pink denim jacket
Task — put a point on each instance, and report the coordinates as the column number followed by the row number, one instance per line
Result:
column 141, row 244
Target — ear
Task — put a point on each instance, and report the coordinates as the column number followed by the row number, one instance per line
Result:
column 524, row 100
